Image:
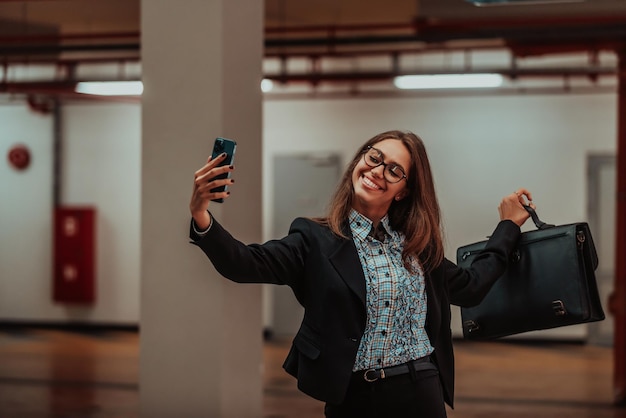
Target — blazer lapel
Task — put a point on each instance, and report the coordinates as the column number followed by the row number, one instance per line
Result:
column 346, row 261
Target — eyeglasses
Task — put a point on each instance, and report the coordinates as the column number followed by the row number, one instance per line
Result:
column 392, row 172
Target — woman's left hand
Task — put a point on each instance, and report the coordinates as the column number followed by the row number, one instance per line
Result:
column 511, row 207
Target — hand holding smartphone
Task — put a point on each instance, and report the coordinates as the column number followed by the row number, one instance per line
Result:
column 228, row 146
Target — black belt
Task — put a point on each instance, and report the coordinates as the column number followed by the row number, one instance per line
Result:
column 423, row 363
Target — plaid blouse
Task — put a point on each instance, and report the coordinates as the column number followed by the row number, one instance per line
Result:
column 396, row 299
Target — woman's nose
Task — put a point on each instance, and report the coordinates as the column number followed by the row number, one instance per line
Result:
column 379, row 170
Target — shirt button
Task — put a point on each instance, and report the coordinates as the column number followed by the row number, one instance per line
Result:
column 384, row 332
column 380, row 251
column 387, row 303
column 358, row 224
column 379, row 361
column 387, row 274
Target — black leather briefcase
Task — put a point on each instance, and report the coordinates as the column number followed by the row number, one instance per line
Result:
column 549, row 283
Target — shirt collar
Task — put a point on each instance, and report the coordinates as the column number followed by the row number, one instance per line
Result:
column 361, row 226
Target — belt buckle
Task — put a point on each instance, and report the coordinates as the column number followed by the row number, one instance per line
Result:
column 369, row 379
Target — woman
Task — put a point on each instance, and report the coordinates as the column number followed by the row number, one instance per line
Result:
column 376, row 289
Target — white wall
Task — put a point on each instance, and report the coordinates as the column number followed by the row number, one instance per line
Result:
column 25, row 216
column 481, row 148
column 100, row 167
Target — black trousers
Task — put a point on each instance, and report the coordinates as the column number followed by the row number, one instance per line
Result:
column 417, row 396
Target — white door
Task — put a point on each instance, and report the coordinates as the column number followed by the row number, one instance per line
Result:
column 602, row 221
column 303, row 185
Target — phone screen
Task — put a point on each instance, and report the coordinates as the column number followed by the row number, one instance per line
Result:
column 228, row 146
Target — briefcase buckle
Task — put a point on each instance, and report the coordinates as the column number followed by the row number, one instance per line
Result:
column 559, row 308
column 471, row 326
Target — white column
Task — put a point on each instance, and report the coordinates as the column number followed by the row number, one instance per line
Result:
column 201, row 336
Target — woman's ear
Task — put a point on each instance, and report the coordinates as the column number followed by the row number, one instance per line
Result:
column 401, row 195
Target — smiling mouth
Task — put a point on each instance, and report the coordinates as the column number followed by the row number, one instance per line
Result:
column 369, row 183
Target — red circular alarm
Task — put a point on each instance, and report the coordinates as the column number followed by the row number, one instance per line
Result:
column 19, row 157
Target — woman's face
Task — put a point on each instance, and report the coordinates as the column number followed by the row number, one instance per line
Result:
column 373, row 192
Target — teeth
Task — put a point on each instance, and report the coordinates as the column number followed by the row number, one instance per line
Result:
column 370, row 183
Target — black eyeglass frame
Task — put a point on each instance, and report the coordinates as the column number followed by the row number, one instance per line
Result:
column 387, row 167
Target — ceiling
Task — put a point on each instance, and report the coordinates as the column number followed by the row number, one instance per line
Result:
column 23, row 17
column 67, row 33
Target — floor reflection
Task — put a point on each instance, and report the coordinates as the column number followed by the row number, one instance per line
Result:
column 58, row 374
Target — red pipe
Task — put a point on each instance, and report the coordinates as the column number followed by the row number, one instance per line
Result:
column 330, row 77
column 68, row 62
column 520, row 22
column 376, row 27
column 526, row 50
column 454, row 24
column 60, row 89
column 59, row 38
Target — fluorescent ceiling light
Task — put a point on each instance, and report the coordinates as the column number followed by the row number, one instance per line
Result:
column 448, row 81
column 266, row 85
column 110, row 88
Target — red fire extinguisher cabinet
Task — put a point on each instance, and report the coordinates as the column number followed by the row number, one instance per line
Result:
column 74, row 255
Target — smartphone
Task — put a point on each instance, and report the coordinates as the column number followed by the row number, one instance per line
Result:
column 228, row 146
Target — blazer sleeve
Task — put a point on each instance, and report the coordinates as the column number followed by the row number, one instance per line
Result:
column 276, row 261
column 468, row 287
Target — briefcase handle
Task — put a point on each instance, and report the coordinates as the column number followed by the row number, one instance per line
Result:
column 538, row 222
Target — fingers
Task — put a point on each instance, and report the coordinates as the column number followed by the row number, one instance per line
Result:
column 511, row 206
column 204, row 193
column 212, row 170
column 214, row 176
column 212, row 189
column 206, row 181
column 520, row 193
column 211, row 163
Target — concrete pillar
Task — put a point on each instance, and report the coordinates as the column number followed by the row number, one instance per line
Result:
column 201, row 336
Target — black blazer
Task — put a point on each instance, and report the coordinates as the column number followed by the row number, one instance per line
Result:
column 325, row 274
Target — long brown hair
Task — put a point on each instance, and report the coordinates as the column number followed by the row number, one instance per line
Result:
column 417, row 216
